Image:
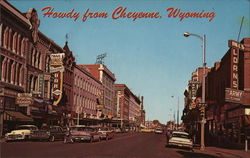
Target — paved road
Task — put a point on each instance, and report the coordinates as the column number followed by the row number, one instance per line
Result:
column 128, row 145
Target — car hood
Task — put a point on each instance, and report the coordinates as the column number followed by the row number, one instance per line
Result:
column 26, row 131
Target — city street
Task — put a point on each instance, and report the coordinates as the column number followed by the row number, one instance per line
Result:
column 125, row 145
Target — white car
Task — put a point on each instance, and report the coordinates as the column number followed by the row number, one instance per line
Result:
column 180, row 139
column 22, row 132
column 158, row 130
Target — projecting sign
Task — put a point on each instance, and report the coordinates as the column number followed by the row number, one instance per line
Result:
column 24, row 99
column 57, row 69
column 233, row 95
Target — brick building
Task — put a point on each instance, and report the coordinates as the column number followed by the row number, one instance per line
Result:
column 134, row 111
column 26, row 72
column 107, row 78
column 228, row 95
column 122, row 100
column 87, row 92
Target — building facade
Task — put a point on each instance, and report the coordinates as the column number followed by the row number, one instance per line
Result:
column 122, row 101
column 107, row 78
column 228, row 95
column 86, row 98
column 134, row 111
column 191, row 113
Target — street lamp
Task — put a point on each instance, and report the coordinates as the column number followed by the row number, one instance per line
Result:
column 203, row 39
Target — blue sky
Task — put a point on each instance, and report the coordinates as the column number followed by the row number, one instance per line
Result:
column 151, row 56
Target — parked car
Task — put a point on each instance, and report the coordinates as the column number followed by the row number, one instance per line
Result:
column 180, row 139
column 49, row 133
column 158, row 130
column 117, row 130
column 106, row 133
column 82, row 133
column 22, row 132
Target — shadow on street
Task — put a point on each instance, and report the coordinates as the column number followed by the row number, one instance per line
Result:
column 187, row 154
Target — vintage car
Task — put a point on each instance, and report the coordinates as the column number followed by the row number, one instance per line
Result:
column 82, row 133
column 49, row 133
column 22, row 132
column 147, row 130
column 158, row 130
column 106, row 133
column 180, row 139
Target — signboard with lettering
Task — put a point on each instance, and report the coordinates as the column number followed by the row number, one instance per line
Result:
column 57, row 69
column 24, row 99
column 193, row 86
column 235, row 50
column 57, row 59
column 233, row 95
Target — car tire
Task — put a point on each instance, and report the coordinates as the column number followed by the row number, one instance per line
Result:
column 99, row 140
column 27, row 137
column 52, row 138
column 107, row 138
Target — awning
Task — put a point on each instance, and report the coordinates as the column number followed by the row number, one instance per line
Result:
column 16, row 116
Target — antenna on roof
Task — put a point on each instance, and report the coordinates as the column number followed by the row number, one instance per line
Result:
column 100, row 58
column 242, row 20
column 67, row 37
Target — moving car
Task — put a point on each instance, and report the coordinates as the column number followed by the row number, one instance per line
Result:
column 106, row 133
column 158, row 130
column 22, row 132
column 147, row 130
column 82, row 133
column 180, row 139
column 49, row 133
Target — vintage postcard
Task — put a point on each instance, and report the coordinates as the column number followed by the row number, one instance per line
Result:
column 125, row 78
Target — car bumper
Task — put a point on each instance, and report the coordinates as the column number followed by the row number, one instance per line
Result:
column 180, row 144
column 80, row 138
column 15, row 137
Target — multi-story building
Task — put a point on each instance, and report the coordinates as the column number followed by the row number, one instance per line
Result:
column 191, row 112
column 24, row 65
column 27, row 76
column 228, row 95
column 129, row 108
column 87, row 96
column 107, row 78
column 134, row 111
column 122, row 99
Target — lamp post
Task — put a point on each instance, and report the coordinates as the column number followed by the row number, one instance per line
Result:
column 203, row 121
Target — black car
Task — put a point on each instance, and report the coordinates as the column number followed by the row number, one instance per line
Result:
column 49, row 133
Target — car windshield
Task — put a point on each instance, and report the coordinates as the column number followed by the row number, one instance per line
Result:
column 81, row 129
column 179, row 135
column 26, row 127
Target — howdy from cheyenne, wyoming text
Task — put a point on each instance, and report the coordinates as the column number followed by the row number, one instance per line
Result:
column 122, row 13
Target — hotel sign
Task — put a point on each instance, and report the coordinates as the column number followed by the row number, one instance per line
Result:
column 233, row 95
column 57, row 69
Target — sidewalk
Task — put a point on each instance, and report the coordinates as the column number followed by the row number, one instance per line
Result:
column 223, row 152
